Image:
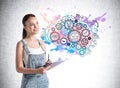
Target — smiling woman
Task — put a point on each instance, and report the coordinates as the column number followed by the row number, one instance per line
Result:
column 31, row 56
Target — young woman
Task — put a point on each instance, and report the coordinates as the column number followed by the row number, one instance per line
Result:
column 31, row 56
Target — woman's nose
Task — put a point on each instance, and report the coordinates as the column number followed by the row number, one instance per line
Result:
column 36, row 25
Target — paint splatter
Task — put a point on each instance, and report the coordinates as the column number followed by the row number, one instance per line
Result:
column 75, row 34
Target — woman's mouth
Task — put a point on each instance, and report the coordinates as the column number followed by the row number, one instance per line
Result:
column 36, row 29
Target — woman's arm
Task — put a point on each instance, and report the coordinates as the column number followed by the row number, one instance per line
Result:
column 19, row 62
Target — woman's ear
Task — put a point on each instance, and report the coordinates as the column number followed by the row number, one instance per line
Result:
column 24, row 27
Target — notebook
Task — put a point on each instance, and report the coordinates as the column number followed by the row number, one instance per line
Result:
column 56, row 63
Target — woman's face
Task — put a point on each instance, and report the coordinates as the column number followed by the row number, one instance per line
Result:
column 31, row 26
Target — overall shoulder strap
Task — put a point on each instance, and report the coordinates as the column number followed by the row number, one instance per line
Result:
column 41, row 46
column 25, row 46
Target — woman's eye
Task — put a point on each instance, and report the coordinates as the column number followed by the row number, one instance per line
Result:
column 31, row 24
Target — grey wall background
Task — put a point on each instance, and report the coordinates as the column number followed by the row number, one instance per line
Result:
column 107, row 52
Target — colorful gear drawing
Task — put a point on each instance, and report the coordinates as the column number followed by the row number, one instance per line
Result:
column 74, row 36
column 72, row 32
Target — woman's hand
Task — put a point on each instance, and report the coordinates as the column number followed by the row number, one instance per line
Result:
column 42, row 70
column 48, row 64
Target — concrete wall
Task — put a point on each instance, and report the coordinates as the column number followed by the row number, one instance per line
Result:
column 101, row 69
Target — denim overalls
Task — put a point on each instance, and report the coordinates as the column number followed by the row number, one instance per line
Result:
column 34, row 61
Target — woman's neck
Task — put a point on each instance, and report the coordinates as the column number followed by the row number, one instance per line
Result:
column 31, row 37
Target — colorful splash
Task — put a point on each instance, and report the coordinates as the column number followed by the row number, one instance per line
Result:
column 74, row 33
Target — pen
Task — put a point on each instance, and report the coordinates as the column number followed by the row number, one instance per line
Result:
column 47, row 62
column 48, row 57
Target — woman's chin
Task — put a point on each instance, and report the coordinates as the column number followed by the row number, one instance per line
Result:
column 36, row 32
